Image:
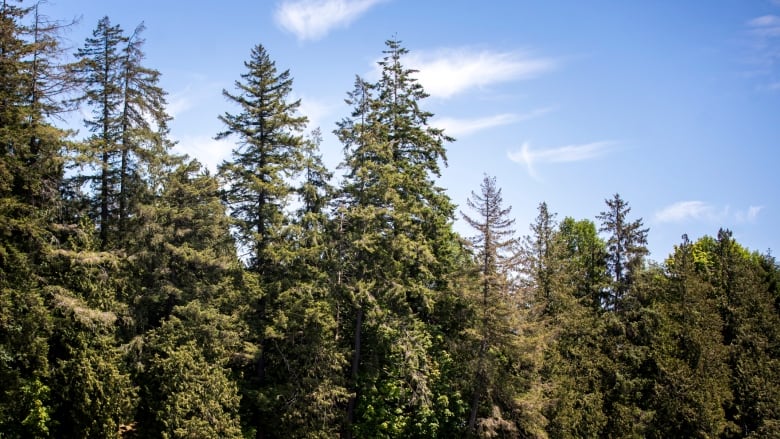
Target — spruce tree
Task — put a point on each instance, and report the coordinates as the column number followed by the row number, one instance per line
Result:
column 396, row 252
column 626, row 248
column 30, row 172
column 128, row 124
column 257, row 190
column 691, row 387
column 494, row 389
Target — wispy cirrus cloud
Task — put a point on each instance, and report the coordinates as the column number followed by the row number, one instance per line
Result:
column 562, row 154
column 448, row 72
column 313, row 19
column 750, row 215
column 464, row 127
column 683, row 211
column 765, row 25
column 764, row 50
column 700, row 211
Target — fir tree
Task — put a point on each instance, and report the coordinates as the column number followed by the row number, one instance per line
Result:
column 493, row 389
column 396, row 250
column 257, row 189
column 30, row 172
column 270, row 151
column 626, row 247
column 128, row 123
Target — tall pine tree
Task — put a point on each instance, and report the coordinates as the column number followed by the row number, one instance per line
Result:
column 396, row 235
column 128, row 125
column 258, row 188
column 626, row 248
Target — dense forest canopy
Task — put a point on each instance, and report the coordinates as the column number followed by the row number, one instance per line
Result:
column 143, row 296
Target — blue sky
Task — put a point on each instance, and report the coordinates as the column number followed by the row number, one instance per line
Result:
column 674, row 105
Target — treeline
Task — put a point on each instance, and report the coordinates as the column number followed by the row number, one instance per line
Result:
column 144, row 297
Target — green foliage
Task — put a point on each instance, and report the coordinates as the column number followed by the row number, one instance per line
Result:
column 270, row 151
column 91, row 392
column 690, row 387
column 626, row 248
column 495, row 384
column 125, row 309
column 183, row 250
column 583, row 255
column 393, row 237
column 128, row 125
column 186, row 390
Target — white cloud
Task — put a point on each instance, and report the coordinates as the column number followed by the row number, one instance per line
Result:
column 313, row 19
column 463, row 127
column 684, row 211
column 562, row 154
column 753, row 212
column 182, row 101
column 765, row 20
column 206, row 150
column 316, row 111
column 750, row 215
column 766, row 25
column 447, row 72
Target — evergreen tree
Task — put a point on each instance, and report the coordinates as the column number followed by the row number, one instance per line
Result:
column 748, row 310
column 543, row 261
column 98, row 68
column 186, row 388
column 184, row 252
column 307, row 358
column 584, row 258
column 128, row 123
column 626, row 247
column 396, row 235
column 91, row 391
column 691, row 385
column 494, row 389
column 257, row 189
column 30, row 172
column 270, row 152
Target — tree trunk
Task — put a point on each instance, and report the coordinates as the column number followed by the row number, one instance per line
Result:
column 355, row 370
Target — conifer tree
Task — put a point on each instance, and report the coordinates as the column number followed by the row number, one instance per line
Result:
column 585, row 260
column 129, row 119
column 304, row 328
column 270, row 151
column 744, row 289
column 397, row 235
column 494, row 389
column 626, row 248
column 691, row 388
column 184, row 252
column 257, row 189
column 185, row 386
column 575, row 363
column 30, row 172
column 543, row 261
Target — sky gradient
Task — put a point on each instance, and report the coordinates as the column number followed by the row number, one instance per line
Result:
column 674, row 105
